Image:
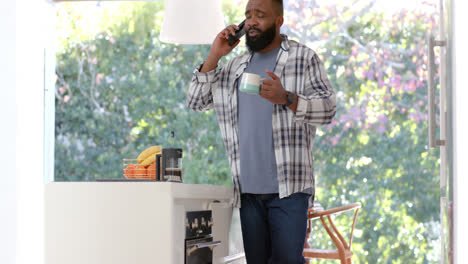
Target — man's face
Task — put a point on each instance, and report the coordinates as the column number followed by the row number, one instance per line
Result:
column 260, row 24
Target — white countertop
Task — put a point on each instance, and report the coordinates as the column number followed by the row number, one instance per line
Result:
column 128, row 222
column 177, row 190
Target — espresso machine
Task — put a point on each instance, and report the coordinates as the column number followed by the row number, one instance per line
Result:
column 169, row 165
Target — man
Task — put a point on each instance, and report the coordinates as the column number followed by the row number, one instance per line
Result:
column 268, row 137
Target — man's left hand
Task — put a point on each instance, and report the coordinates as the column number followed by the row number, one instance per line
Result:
column 273, row 90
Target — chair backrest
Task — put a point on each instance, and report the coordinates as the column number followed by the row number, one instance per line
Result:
column 337, row 210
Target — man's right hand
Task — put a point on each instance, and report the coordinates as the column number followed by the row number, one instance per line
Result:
column 220, row 48
column 220, row 45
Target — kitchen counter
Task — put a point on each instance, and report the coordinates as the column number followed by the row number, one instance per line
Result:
column 129, row 222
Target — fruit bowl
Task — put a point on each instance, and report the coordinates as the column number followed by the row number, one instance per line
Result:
column 133, row 170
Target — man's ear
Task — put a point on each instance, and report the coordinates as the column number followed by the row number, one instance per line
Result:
column 279, row 21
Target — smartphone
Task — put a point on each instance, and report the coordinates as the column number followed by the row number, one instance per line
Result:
column 239, row 33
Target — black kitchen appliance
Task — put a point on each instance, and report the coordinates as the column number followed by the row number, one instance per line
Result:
column 199, row 242
column 169, row 165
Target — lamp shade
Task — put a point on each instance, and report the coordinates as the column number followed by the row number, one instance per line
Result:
column 191, row 21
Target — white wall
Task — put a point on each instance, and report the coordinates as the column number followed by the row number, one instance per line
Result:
column 460, row 118
column 24, row 34
column 7, row 133
column 33, row 35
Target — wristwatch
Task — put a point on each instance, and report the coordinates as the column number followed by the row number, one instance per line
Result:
column 290, row 98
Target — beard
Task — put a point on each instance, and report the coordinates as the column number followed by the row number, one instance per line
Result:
column 262, row 40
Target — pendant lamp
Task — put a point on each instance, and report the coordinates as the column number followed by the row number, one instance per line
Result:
column 191, row 21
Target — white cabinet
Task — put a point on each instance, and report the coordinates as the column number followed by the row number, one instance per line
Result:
column 128, row 222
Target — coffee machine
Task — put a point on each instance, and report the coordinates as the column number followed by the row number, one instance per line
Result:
column 169, row 165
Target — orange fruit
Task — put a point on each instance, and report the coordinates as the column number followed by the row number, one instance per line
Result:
column 130, row 171
column 151, row 171
column 139, row 172
column 135, row 171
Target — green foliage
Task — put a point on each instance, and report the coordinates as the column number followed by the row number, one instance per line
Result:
column 119, row 90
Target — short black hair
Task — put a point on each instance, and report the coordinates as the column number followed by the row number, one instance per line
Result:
column 278, row 6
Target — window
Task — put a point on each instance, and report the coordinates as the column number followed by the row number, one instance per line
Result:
column 119, row 90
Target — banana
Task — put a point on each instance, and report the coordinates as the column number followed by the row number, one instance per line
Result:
column 149, row 160
column 149, row 152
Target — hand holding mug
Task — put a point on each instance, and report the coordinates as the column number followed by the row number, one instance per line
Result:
column 272, row 89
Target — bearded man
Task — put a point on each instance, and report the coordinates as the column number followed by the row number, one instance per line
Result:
column 268, row 136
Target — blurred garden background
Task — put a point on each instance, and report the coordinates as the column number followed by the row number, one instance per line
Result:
column 119, row 90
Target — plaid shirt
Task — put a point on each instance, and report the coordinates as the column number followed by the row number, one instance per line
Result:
column 301, row 72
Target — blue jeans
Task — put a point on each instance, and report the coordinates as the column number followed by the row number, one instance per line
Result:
column 274, row 229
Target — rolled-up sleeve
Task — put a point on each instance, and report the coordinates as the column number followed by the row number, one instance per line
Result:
column 317, row 106
column 200, row 97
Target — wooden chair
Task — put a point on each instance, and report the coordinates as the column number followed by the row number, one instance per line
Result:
column 343, row 249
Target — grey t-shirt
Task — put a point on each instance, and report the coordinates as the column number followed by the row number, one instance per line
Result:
column 258, row 173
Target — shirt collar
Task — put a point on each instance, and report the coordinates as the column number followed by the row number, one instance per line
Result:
column 285, row 42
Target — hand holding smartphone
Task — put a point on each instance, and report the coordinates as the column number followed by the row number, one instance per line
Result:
column 219, row 47
column 239, row 33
